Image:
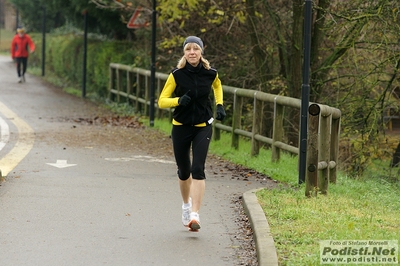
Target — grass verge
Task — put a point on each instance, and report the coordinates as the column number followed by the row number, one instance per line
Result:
column 366, row 209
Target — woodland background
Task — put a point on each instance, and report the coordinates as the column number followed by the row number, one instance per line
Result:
column 255, row 45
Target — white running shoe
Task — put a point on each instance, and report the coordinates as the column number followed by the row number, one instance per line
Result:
column 194, row 224
column 19, row 80
column 186, row 213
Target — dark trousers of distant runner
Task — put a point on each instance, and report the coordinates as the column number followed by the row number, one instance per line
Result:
column 22, row 64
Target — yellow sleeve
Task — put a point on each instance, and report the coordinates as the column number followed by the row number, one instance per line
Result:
column 165, row 100
column 218, row 93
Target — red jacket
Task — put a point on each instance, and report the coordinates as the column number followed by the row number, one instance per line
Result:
column 19, row 46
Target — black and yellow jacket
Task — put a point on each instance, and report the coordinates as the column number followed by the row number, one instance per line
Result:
column 197, row 82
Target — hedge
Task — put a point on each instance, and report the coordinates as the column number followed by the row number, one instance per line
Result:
column 64, row 58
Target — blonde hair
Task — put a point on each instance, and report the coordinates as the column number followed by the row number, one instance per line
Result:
column 182, row 62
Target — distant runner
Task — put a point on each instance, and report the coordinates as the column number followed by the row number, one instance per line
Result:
column 20, row 52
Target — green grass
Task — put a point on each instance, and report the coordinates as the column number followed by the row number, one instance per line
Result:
column 163, row 125
column 354, row 210
column 285, row 170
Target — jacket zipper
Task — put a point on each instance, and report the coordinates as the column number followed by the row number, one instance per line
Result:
column 194, row 105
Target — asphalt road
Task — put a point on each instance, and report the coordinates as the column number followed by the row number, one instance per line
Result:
column 90, row 195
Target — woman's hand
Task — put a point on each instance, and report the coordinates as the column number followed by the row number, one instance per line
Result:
column 220, row 112
column 184, row 100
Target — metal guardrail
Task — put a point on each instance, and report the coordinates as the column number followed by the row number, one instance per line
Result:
column 324, row 121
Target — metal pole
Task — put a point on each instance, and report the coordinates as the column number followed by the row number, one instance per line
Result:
column 305, row 91
column 84, row 54
column 16, row 19
column 153, row 64
column 1, row 26
column 44, row 40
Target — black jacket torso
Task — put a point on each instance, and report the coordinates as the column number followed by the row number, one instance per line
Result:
column 197, row 83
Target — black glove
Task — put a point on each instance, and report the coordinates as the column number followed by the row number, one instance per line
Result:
column 184, row 100
column 220, row 112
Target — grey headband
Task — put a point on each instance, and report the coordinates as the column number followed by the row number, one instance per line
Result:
column 194, row 39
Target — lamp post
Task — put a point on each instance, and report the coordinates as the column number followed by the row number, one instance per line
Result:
column 305, row 91
column 84, row 53
column 44, row 40
column 16, row 19
column 153, row 63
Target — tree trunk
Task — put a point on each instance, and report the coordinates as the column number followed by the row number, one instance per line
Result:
column 296, row 55
column 396, row 158
column 260, row 57
column 318, row 34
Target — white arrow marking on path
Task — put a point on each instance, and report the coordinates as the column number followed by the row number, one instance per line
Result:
column 61, row 164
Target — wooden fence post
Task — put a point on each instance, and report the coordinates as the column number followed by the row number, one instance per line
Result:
column 236, row 119
column 334, row 148
column 324, row 151
column 118, row 84
column 312, row 151
column 147, row 96
column 257, row 125
column 216, row 130
column 137, row 92
column 158, row 92
column 128, row 85
column 111, row 84
column 277, row 131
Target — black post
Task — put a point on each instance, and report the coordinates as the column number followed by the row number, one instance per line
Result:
column 305, row 91
column 16, row 19
column 44, row 40
column 84, row 54
column 1, row 26
column 153, row 63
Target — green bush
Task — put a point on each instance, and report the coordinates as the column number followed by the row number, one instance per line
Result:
column 64, row 57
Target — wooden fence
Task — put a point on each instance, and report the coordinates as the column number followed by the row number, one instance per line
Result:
column 133, row 84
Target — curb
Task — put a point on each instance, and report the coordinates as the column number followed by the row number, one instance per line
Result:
column 265, row 246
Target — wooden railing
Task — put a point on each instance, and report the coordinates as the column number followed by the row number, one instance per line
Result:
column 133, row 84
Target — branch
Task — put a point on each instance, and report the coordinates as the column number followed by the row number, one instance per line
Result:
column 362, row 16
column 101, row 4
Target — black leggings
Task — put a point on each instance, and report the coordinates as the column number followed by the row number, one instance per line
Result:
column 24, row 62
column 199, row 138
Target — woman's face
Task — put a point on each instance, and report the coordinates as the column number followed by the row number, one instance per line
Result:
column 192, row 54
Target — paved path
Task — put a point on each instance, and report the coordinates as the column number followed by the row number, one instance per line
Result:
column 113, row 205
